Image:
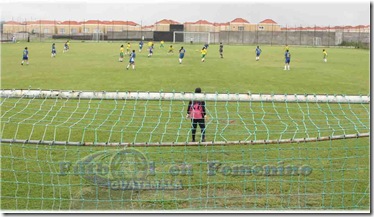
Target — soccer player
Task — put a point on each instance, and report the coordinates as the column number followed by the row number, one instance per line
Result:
column 121, row 51
column 162, row 44
column 150, row 44
column 287, row 57
column 181, row 54
column 171, row 49
column 25, row 56
column 66, row 47
column 132, row 60
column 221, row 49
column 286, row 47
column 203, row 54
column 258, row 52
column 324, row 55
column 53, row 54
column 150, row 51
column 196, row 112
column 140, row 46
column 128, row 48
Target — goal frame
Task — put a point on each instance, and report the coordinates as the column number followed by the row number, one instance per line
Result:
column 194, row 33
column 167, row 96
column 182, row 96
column 98, row 36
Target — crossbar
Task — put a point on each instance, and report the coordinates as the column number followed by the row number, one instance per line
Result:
column 235, row 97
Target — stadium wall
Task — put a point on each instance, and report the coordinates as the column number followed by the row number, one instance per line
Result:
column 279, row 38
column 303, row 38
column 353, row 36
column 130, row 35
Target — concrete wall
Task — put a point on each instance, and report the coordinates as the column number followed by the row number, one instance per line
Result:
column 353, row 36
column 314, row 38
column 303, row 38
column 130, row 35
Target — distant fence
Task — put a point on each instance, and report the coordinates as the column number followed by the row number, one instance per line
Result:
column 305, row 38
column 130, row 35
column 280, row 38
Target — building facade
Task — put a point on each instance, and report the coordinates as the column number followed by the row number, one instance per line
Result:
column 96, row 26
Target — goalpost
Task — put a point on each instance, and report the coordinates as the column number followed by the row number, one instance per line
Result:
column 85, row 150
column 194, row 37
column 317, row 41
column 98, row 36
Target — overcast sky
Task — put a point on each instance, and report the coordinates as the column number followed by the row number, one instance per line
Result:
column 147, row 12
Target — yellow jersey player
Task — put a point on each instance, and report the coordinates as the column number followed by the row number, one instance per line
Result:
column 150, row 44
column 128, row 48
column 324, row 55
column 203, row 54
column 171, row 49
column 121, row 51
column 162, row 44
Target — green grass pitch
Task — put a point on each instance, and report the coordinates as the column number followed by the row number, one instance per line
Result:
column 95, row 66
column 30, row 174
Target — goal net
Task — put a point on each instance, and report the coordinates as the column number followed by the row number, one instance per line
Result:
column 75, row 150
column 98, row 36
column 191, row 37
column 317, row 41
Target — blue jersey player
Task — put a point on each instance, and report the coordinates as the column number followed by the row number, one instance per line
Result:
column 53, row 54
column 132, row 60
column 150, row 50
column 287, row 57
column 140, row 46
column 221, row 49
column 258, row 53
column 181, row 54
column 25, row 56
column 66, row 47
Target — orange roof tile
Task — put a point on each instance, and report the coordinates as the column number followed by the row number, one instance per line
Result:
column 13, row 23
column 239, row 20
column 268, row 21
column 106, row 22
column 204, row 22
column 166, row 21
column 69, row 22
column 91, row 22
column 95, row 22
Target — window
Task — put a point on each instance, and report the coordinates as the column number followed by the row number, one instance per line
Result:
column 62, row 31
column 86, row 30
column 74, row 31
column 46, row 31
column 240, row 28
column 261, row 28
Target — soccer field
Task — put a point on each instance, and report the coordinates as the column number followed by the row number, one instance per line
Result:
column 331, row 175
column 95, row 66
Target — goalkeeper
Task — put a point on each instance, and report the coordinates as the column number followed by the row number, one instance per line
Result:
column 196, row 112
